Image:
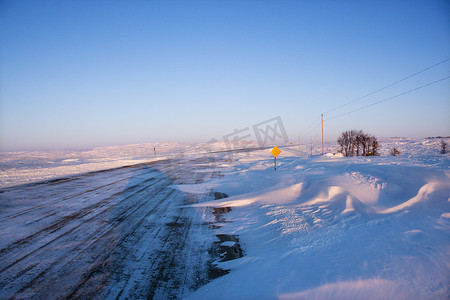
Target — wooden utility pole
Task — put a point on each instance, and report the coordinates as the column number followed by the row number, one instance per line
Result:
column 299, row 148
column 323, row 143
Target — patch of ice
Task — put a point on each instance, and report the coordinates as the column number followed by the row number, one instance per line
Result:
column 228, row 244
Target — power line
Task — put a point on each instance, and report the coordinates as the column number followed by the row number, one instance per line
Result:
column 312, row 129
column 308, row 130
column 390, row 98
column 388, row 86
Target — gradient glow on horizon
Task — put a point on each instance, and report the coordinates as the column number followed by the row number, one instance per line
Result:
column 88, row 73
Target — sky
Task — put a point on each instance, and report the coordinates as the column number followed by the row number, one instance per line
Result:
column 85, row 73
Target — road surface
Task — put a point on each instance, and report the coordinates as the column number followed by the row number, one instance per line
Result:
column 113, row 234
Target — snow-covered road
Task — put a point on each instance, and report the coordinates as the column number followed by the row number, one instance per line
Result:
column 115, row 233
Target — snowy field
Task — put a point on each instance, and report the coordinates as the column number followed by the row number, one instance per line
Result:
column 31, row 166
column 316, row 228
column 338, row 228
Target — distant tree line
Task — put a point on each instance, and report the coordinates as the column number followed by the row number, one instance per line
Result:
column 357, row 143
column 437, row 137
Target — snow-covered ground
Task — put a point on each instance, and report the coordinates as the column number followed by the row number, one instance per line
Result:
column 316, row 228
column 31, row 166
column 337, row 228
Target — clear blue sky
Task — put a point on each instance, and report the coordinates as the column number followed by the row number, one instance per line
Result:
column 88, row 73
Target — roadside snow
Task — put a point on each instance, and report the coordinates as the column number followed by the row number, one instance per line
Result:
column 337, row 228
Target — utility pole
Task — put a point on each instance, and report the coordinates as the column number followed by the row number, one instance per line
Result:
column 299, row 147
column 323, row 143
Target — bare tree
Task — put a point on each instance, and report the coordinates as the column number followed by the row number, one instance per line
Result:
column 373, row 146
column 365, row 141
column 347, row 142
column 356, row 142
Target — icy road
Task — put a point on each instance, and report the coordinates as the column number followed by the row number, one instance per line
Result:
column 116, row 233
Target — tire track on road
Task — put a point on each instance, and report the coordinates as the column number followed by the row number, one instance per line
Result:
column 97, row 236
column 118, row 220
column 52, row 228
column 32, row 209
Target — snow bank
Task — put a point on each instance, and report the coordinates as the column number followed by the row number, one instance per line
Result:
column 361, row 289
column 328, row 228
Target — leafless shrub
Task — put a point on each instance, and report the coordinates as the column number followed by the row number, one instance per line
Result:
column 443, row 147
column 394, row 151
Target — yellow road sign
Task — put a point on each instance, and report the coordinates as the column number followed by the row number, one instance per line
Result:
column 275, row 151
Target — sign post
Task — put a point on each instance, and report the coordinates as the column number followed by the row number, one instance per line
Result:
column 323, row 143
column 275, row 151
